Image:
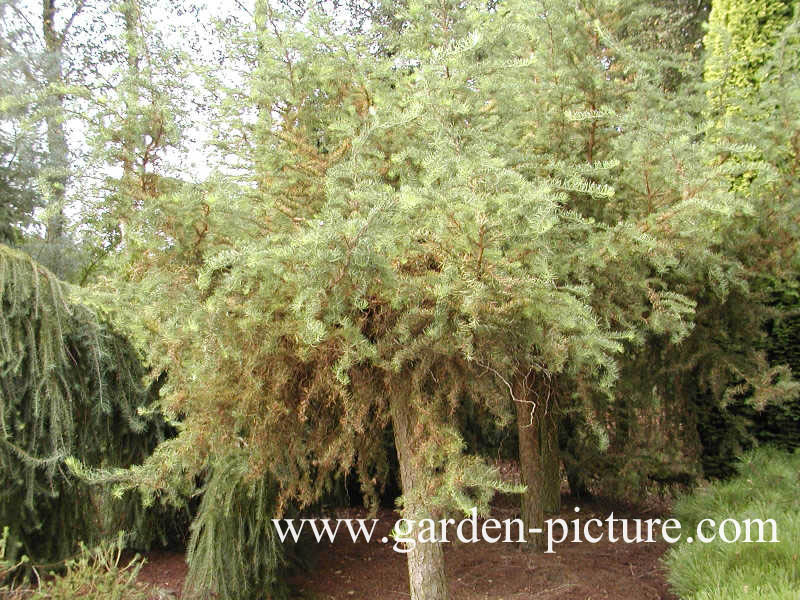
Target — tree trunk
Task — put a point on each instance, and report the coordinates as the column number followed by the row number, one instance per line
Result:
column 426, row 574
column 529, row 416
column 551, row 462
column 130, row 11
column 57, row 149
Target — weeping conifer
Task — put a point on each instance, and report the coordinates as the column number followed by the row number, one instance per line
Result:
column 69, row 386
column 234, row 552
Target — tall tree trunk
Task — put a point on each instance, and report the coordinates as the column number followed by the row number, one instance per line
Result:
column 529, row 416
column 57, row 149
column 426, row 573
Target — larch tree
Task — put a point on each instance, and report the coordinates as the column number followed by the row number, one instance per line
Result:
column 408, row 236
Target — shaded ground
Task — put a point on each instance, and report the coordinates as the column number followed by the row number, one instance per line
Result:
column 481, row 571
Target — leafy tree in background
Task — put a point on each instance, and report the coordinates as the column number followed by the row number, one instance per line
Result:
column 670, row 394
column 739, row 42
column 37, row 59
column 135, row 119
column 18, row 172
column 100, row 74
column 21, row 154
column 55, row 29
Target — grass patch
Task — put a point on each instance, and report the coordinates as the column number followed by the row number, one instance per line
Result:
column 95, row 574
column 767, row 487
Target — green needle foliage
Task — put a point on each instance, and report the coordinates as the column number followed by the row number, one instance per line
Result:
column 740, row 39
column 709, row 390
column 69, row 386
column 234, row 507
column 754, row 101
column 95, row 574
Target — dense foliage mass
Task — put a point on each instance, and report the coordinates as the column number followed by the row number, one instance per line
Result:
column 442, row 209
column 250, row 561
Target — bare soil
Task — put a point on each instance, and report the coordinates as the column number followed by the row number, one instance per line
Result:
column 481, row 571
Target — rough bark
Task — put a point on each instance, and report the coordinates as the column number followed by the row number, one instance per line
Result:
column 551, row 462
column 529, row 417
column 426, row 573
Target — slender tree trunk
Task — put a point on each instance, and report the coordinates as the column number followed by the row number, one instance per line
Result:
column 529, row 417
column 622, row 424
column 130, row 12
column 426, row 573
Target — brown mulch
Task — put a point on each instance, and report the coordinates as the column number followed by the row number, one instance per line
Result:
column 481, row 571
column 166, row 571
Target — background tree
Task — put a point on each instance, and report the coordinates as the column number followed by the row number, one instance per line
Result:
column 36, row 45
column 58, row 163
column 21, row 150
column 101, row 73
column 740, row 39
column 720, row 372
column 136, row 123
column 752, row 99
column 19, row 165
column 601, row 112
